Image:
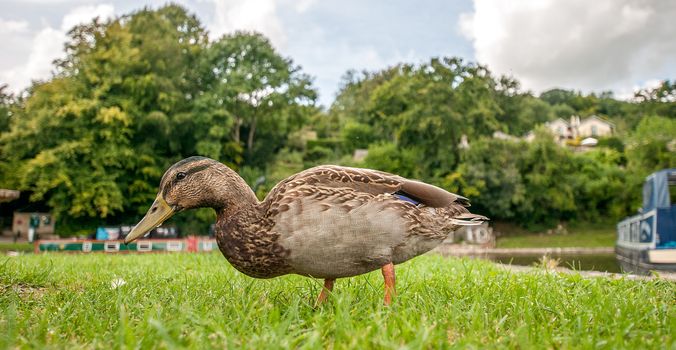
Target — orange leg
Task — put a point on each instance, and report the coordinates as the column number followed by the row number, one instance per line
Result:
column 388, row 275
column 328, row 287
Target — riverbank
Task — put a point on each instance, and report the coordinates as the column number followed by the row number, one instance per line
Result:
column 474, row 250
column 9, row 246
column 572, row 235
column 574, row 258
column 667, row 276
column 588, row 262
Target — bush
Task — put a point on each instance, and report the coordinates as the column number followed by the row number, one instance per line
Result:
column 390, row 158
column 317, row 154
column 612, row 142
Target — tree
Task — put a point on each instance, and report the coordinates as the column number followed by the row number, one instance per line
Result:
column 357, row 135
column 601, row 186
column 387, row 157
column 652, row 146
column 665, row 92
column 521, row 112
column 490, row 175
column 137, row 93
column 257, row 91
column 93, row 141
column 6, row 104
column 660, row 100
column 581, row 104
column 428, row 108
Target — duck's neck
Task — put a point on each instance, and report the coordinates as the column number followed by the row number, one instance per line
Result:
column 229, row 193
column 243, row 234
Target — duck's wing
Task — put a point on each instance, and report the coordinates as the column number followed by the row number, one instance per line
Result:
column 337, row 221
column 368, row 181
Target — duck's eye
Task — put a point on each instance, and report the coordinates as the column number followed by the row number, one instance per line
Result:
column 180, row 176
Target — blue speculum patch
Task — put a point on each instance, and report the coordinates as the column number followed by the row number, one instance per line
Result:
column 407, row 199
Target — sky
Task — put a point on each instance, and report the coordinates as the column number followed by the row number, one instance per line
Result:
column 600, row 45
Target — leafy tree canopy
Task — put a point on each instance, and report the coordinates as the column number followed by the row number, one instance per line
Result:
column 136, row 93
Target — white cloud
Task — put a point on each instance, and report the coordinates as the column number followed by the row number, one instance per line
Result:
column 303, row 5
column 588, row 45
column 261, row 16
column 253, row 15
column 51, row 2
column 10, row 26
column 45, row 46
column 84, row 14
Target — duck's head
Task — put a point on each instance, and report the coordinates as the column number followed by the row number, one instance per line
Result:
column 193, row 182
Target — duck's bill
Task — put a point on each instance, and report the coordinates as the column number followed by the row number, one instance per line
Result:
column 158, row 213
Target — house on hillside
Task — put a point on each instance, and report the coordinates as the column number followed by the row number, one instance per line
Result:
column 592, row 127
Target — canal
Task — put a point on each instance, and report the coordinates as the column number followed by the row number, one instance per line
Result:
column 581, row 259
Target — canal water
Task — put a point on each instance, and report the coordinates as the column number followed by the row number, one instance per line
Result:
column 586, row 262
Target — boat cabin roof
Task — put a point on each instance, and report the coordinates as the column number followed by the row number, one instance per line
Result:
column 657, row 188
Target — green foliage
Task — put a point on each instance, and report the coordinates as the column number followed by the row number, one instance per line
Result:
column 541, row 182
column 414, row 117
column 6, row 103
column 286, row 163
column 335, row 144
column 612, row 142
column 137, row 93
column 16, row 247
column 653, row 146
column 315, row 154
column 490, row 174
column 82, row 141
column 562, row 111
column 600, row 185
column 357, row 135
column 261, row 94
column 423, row 110
column 573, row 99
column 388, row 157
column 523, row 112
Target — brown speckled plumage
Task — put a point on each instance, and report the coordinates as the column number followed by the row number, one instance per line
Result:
column 250, row 245
column 325, row 222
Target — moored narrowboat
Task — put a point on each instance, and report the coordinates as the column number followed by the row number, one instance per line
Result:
column 189, row 244
column 647, row 241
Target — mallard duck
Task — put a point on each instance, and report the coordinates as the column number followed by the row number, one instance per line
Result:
column 326, row 222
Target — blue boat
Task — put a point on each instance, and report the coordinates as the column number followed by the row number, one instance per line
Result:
column 647, row 241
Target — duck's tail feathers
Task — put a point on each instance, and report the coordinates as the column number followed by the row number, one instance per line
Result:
column 469, row 219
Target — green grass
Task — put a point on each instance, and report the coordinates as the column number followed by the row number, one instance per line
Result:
column 17, row 247
column 557, row 240
column 579, row 235
column 199, row 301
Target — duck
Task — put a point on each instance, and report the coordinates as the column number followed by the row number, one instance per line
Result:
column 326, row 222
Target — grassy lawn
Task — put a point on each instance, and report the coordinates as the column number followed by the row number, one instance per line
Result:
column 569, row 240
column 17, row 247
column 579, row 235
column 199, row 301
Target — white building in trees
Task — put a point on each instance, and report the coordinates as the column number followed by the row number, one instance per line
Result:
column 591, row 127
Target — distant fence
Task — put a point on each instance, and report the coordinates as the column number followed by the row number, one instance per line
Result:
column 191, row 244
